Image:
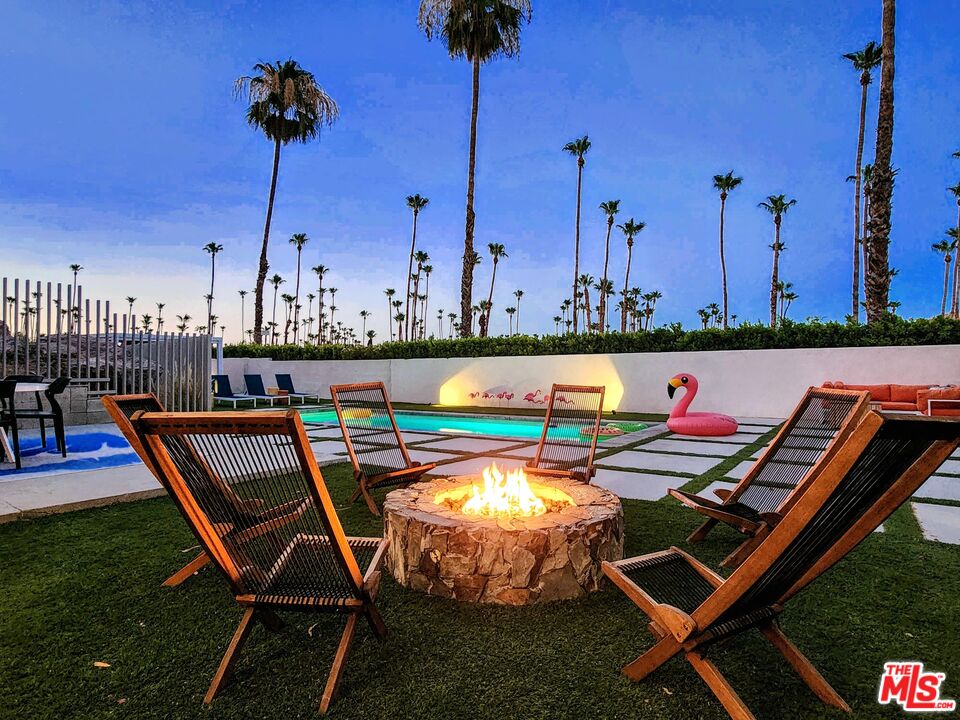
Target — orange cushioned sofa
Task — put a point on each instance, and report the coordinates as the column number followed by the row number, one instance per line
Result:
column 914, row 398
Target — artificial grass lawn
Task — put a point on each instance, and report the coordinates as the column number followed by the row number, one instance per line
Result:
column 85, row 587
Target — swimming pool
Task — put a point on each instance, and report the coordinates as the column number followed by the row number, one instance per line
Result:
column 519, row 427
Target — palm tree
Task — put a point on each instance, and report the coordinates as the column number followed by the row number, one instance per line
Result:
column 510, row 311
column 364, row 314
column 475, row 311
column 243, row 305
column 610, row 208
column 276, row 281
column 371, row 334
column 160, row 307
column 182, row 321
column 955, row 307
column 704, row 316
column 945, row 247
column 724, row 183
column 298, row 240
column 565, row 306
column 654, row 296
column 333, row 300
column 452, row 318
column 954, row 235
column 420, row 257
column 776, row 205
column 320, row 271
column 863, row 62
column 212, row 248
column 604, row 289
column 877, row 278
column 286, row 105
column 630, row 229
column 787, row 296
column 389, row 292
column 557, row 319
column 577, row 148
column 399, row 318
column 416, row 203
column 75, row 268
column 585, row 282
column 310, row 298
column 478, row 31
column 427, row 269
column 518, row 294
column 497, row 252
column 147, row 320
column 288, row 301
column 130, row 301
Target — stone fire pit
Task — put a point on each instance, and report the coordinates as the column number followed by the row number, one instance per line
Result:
column 517, row 561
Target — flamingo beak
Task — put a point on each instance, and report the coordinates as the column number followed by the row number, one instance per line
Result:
column 672, row 385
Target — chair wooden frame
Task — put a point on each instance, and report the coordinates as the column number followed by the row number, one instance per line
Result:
column 758, row 529
column 366, row 483
column 258, row 524
column 691, row 633
column 585, row 476
column 363, row 587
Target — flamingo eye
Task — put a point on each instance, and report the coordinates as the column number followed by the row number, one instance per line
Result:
column 684, row 380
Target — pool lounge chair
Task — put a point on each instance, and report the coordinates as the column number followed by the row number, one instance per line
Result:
column 256, row 390
column 285, row 382
column 376, row 448
column 691, row 608
column 570, row 431
column 223, row 393
column 815, row 430
column 249, row 517
column 306, row 565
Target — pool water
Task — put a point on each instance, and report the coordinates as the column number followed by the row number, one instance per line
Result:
column 521, row 428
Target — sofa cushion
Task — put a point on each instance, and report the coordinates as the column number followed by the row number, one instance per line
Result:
column 946, row 393
column 905, row 393
column 878, row 393
column 889, row 405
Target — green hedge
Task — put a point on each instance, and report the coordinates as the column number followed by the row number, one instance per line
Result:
column 891, row 331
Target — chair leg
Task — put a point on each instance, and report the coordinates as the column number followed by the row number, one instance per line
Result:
column 701, row 532
column 187, row 571
column 364, row 490
column 43, row 435
column 339, row 660
column 652, row 659
column 15, row 436
column 745, row 549
column 270, row 620
column 60, row 435
column 230, row 657
column 804, row 668
column 722, row 689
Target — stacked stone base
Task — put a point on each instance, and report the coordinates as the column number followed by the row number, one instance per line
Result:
column 520, row 561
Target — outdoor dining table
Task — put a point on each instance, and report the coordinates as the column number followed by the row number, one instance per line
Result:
column 20, row 387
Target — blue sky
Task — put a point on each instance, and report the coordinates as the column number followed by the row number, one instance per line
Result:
column 124, row 150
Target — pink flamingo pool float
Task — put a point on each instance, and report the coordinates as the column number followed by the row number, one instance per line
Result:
column 695, row 423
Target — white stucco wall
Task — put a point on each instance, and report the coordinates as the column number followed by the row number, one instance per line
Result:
column 739, row 382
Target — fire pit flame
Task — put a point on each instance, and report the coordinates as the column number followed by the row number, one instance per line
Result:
column 504, row 495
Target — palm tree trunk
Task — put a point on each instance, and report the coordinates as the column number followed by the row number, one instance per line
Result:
column 518, row 316
column 586, row 304
column 426, row 299
column 946, row 283
column 296, row 300
column 410, row 322
column 576, row 249
column 262, row 269
column 389, row 321
column 413, row 245
column 274, row 316
column 466, row 279
column 493, row 277
column 855, row 310
column 213, row 272
column 955, row 308
column 775, row 275
column 603, row 293
column 881, row 183
column 723, row 262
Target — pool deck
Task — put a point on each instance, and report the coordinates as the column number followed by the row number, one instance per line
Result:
column 640, row 465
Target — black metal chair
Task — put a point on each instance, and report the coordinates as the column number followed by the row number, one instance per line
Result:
column 29, row 379
column 55, row 413
column 8, row 417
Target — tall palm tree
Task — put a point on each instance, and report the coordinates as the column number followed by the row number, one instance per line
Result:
column 497, row 251
column 320, row 271
column 75, row 268
column 586, row 281
column 955, row 307
column 416, row 203
column 510, row 312
column 364, row 314
column 944, row 247
column 276, row 281
column 777, row 206
column 578, row 148
column 954, row 235
column 610, row 208
column 557, row 319
column 309, row 323
column 389, row 292
column 333, row 300
column 130, row 301
column 724, row 183
column 877, row 279
column 298, row 240
column 452, row 317
column 286, row 105
column 420, row 257
column 630, row 230
column 212, row 248
column 604, row 289
column 477, row 30
column 243, row 305
column 654, row 297
column 160, row 307
column 399, row 318
column 518, row 294
column 288, row 301
column 427, row 269
column 863, row 62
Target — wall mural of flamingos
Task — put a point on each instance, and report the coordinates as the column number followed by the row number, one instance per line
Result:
column 695, row 423
column 532, row 397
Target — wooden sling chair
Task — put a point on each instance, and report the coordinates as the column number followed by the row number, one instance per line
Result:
column 304, row 564
column 570, row 430
column 247, row 516
column 691, row 608
column 376, row 448
column 817, row 428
